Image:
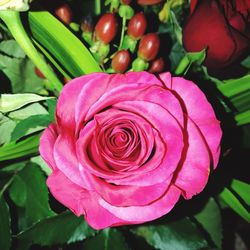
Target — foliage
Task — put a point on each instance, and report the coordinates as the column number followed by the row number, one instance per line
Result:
column 30, row 216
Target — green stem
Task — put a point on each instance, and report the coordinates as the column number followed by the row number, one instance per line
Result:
column 123, row 31
column 13, row 21
column 97, row 7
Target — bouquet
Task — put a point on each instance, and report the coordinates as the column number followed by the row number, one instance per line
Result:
column 124, row 124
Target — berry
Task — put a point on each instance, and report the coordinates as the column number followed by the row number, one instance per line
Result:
column 137, row 26
column 121, row 61
column 157, row 66
column 148, row 2
column 126, row 1
column 64, row 13
column 39, row 73
column 106, row 28
column 149, row 46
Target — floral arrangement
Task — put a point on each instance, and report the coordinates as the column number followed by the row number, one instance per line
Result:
column 124, row 124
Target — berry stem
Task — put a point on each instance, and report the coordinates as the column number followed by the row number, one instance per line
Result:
column 122, row 31
column 97, row 7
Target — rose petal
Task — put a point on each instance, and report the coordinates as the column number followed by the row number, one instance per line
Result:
column 46, row 146
column 168, row 128
column 200, row 111
column 65, row 109
column 119, row 195
column 207, row 27
column 139, row 214
column 193, row 174
column 66, row 160
column 112, row 87
column 81, row 202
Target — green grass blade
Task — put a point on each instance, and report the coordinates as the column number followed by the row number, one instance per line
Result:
column 60, row 42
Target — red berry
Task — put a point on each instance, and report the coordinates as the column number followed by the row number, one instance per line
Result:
column 106, row 28
column 157, row 66
column 137, row 26
column 64, row 13
column 126, row 1
column 121, row 61
column 39, row 73
column 148, row 2
column 149, row 46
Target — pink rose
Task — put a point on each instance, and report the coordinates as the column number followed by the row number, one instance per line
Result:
column 126, row 147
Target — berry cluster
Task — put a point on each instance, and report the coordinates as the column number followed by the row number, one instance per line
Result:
column 135, row 49
column 120, row 39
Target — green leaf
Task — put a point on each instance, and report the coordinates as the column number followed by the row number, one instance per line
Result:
column 18, row 191
column 58, row 229
column 107, row 239
column 188, row 60
column 39, row 161
column 11, row 48
column 12, row 169
column 37, row 122
column 22, row 148
column 10, row 102
column 242, row 189
column 246, row 62
column 36, row 205
column 32, row 109
column 178, row 235
column 62, row 44
column 210, row 219
column 82, row 232
column 231, row 200
column 6, row 128
column 233, row 87
column 242, row 118
column 176, row 27
column 21, row 73
column 51, row 108
column 5, row 234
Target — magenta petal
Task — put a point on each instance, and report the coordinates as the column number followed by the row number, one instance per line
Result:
column 165, row 98
column 65, row 109
column 81, row 202
column 66, row 160
column 130, row 195
column 167, row 126
column 193, row 174
column 144, row 78
column 139, row 214
column 46, row 146
column 200, row 111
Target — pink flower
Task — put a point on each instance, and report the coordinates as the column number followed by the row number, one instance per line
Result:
column 126, row 147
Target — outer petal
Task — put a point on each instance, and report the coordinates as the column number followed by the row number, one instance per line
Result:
column 110, row 89
column 200, row 111
column 194, row 171
column 66, row 160
column 81, row 202
column 139, row 214
column 46, row 146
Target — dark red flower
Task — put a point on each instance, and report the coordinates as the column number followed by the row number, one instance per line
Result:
column 223, row 27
